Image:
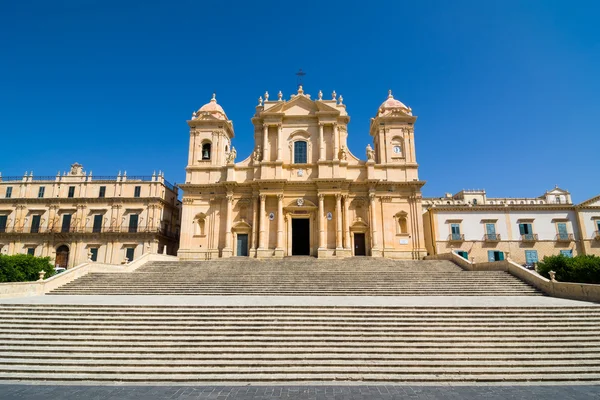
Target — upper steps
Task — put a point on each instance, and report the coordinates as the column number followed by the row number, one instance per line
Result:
column 305, row 276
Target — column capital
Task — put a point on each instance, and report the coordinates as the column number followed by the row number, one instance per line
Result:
column 280, row 197
column 263, row 197
column 338, row 196
column 321, row 196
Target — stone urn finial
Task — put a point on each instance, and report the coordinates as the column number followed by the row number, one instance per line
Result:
column 552, row 276
column 42, row 274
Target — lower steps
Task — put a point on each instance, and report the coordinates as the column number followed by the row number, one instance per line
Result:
column 236, row 344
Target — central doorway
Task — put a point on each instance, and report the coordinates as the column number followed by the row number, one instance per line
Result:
column 300, row 237
column 359, row 244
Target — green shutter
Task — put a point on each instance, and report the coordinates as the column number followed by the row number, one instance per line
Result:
column 500, row 256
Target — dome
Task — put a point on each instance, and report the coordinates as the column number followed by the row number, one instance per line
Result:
column 212, row 108
column 391, row 104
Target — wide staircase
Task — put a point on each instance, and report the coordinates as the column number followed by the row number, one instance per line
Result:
column 292, row 344
column 301, row 277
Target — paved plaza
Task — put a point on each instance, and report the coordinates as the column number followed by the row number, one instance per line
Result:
column 325, row 392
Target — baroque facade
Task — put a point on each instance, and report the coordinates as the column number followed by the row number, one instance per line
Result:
column 525, row 229
column 76, row 216
column 301, row 191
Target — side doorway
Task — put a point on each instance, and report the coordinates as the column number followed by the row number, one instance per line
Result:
column 360, row 248
column 62, row 256
column 242, row 245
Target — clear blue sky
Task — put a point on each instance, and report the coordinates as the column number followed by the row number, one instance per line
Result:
column 507, row 92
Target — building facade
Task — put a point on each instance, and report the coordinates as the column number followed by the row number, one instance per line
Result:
column 301, row 191
column 524, row 229
column 75, row 216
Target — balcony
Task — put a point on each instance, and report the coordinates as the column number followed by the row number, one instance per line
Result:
column 529, row 237
column 491, row 237
column 43, row 230
column 564, row 237
column 456, row 237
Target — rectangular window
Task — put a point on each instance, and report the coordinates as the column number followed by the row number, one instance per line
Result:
column 71, row 191
column 567, row 253
column 531, row 256
column 129, row 253
column 41, row 191
column 9, row 192
column 97, row 223
column 463, row 254
column 3, row 219
column 562, row 231
column 598, row 226
column 455, row 230
column 490, row 231
column 133, row 223
column 300, row 153
column 137, row 191
column 494, row 255
column 35, row 223
column 31, row 251
column 102, row 192
column 526, row 231
column 94, row 254
column 66, row 223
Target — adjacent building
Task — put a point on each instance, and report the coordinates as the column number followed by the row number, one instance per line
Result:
column 74, row 216
column 301, row 191
column 524, row 229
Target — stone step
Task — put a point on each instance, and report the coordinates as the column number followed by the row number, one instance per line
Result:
column 289, row 378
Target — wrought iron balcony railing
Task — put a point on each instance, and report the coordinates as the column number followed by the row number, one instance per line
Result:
column 564, row 237
column 456, row 237
column 44, row 230
column 492, row 237
column 529, row 237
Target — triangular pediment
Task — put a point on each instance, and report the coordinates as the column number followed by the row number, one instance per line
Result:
column 301, row 105
column 557, row 190
column 593, row 202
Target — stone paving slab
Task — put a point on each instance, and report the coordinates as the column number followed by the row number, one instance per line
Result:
column 381, row 301
column 304, row 392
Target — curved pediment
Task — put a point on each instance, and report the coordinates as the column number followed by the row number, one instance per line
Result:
column 301, row 202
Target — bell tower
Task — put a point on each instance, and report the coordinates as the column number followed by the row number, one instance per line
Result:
column 210, row 137
column 393, row 138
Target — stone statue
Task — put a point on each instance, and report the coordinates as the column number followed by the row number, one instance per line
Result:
column 257, row 154
column 343, row 155
column 370, row 153
column 231, row 155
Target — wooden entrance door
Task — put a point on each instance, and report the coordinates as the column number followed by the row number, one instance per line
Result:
column 62, row 257
column 359, row 244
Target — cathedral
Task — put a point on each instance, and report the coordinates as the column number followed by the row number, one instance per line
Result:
column 302, row 192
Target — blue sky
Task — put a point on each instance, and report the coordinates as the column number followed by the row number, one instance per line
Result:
column 506, row 91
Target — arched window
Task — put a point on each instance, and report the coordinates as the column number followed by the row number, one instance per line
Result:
column 300, row 152
column 206, row 151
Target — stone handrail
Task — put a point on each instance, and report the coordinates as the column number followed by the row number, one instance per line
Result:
column 37, row 288
column 565, row 290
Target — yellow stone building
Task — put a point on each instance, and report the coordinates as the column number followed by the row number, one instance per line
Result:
column 76, row 216
column 301, row 191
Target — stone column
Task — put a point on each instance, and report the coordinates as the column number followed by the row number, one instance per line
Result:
column 261, row 233
column 321, row 222
column 265, row 143
column 279, row 130
column 321, row 143
column 279, row 222
column 372, row 202
column 255, row 205
column 228, row 234
column 338, row 220
column 336, row 142
column 347, row 243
